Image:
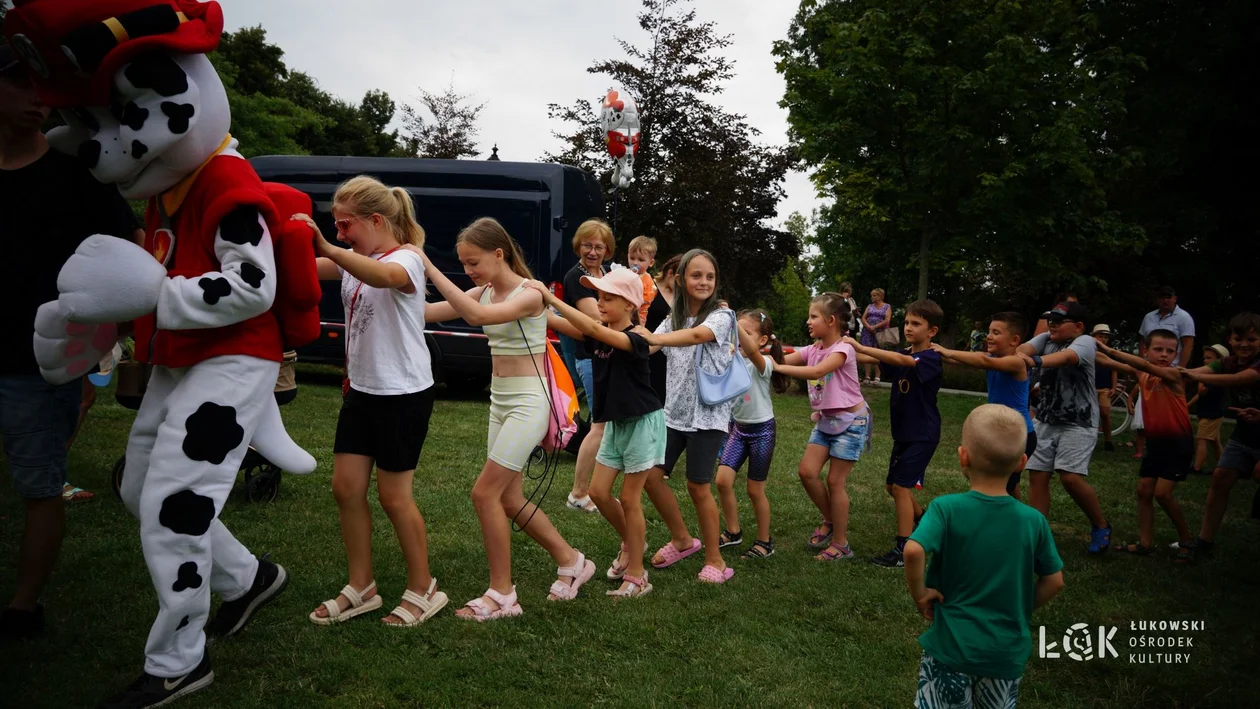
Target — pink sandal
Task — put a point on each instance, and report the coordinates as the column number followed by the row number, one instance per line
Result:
column 710, row 574
column 508, row 607
column 672, row 556
column 616, row 572
column 639, row 586
column 580, row 572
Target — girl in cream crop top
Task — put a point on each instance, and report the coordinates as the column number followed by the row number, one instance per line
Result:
column 505, row 338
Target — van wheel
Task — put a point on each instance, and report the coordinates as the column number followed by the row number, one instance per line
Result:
column 467, row 384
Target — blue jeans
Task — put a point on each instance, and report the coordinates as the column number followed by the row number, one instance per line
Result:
column 37, row 420
column 568, row 353
column 587, row 375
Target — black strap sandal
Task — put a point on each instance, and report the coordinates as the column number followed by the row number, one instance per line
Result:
column 759, row 550
column 1134, row 548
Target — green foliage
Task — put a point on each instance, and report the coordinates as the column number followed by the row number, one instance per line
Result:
column 278, row 111
column 701, row 179
column 450, row 133
column 966, row 140
column 790, row 305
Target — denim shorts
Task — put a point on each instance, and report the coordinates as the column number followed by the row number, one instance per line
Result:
column 843, row 446
column 1237, row 456
column 37, row 420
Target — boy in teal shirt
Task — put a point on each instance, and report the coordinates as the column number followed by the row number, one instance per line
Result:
column 979, row 591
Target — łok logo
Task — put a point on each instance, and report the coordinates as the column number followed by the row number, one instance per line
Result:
column 1079, row 644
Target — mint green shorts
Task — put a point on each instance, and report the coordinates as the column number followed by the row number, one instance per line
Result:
column 634, row 445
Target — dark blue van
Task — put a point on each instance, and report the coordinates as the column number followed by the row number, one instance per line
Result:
column 540, row 205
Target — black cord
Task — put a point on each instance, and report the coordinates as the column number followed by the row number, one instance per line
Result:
column 550, row 463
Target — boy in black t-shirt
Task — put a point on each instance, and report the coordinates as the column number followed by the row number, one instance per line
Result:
column 915, row 374
column 49, row 203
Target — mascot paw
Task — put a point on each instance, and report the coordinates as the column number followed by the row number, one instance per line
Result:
column 109, row 280
column 66, row 350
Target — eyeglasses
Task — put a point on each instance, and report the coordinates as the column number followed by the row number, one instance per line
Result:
column 344, row 224
column 593, row 248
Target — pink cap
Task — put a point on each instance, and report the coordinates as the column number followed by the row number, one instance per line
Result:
column 622, row 282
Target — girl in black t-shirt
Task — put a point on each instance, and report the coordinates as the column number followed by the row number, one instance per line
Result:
column 1210, row 410
column 624, row 401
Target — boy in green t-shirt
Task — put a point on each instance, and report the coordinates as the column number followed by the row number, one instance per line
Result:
column 979, row 591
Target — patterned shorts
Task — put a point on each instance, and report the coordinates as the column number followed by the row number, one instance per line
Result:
column 753, row 442
column 943, row 688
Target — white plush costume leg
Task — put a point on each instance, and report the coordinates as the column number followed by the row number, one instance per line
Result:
column 189, row 438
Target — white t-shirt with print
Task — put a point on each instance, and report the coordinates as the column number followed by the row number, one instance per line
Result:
column 683, row 410
column 385, row 349
column 755, row 406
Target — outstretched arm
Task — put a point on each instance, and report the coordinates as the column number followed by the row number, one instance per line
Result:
column 1114, row 366
column 1168, row 374
column 1012, row 364
column 895, row 359
column 751, row 350
column 372, row 272
column 1246, row 377
column 585, row 326
column 682, row 338
column 830, row 363
column 471, row 310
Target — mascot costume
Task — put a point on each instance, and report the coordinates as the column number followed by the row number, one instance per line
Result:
column 222, row 287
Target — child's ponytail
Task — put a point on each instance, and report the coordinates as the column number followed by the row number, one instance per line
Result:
column 765, row 326
column 406, row 226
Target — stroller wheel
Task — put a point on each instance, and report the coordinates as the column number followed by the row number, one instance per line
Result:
column 262, row 483
column 117, row 476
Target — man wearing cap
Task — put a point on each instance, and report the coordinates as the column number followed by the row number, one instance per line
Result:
column 1067, row 420
column 1105, row 380
column 49, row 204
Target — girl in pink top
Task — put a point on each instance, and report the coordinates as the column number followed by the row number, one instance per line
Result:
column 842, row 421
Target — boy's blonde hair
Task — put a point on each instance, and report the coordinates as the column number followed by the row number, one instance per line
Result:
column 364, row 196
column 646, row 244
column 994, row 436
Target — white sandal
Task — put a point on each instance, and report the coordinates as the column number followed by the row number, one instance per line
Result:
column 583, row 504
column 358, row 606
column 508, row 607
column 581, row 572
column 638, row 587
column 429, row 604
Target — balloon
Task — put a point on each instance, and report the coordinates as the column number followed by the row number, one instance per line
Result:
column 619, row 119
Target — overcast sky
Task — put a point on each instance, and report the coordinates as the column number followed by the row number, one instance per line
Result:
column 516, row 56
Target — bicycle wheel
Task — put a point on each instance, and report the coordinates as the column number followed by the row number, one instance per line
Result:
column 1120, row 422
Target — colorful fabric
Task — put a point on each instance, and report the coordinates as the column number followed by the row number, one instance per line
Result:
column 839, row 389
column 1164, row 413
column 752, row 442
column 943, row 688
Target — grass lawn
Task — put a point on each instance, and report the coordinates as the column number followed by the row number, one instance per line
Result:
column 786, row 631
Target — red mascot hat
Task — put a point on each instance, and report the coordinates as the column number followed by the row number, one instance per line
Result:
column 74, row 47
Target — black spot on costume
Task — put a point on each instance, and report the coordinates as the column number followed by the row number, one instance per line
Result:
column 186, row 512
column 138, row 149
column 241, row 227
column 180, row 114
column 133, row 116
column 182, row 623
column 187, row 578
column 252, row 274
column 160, row 73
column 212, row 433
column 215, row 288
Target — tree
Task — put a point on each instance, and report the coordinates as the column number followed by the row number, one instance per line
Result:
column 264, row 125
column 450, row 133
column 701, row 177
column 966, row 140
column 790, row 305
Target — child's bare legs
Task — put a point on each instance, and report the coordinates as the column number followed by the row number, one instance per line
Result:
column 1164, row 496
column 609, row 506
column 907, row 508
column 1104, row 414
column 1039, row 491
column 1223, row 480
column 586, row 460
column 1139, row 442
column 662, row 497
column 1083, row 494
column 761, row 508
column 399, row 503
column 351, row 476
column 726, row 493
column 538, row 526
column 810, row 473
column 636, row 526
column 1146, row 512
column 707, row 515
column 838, row 493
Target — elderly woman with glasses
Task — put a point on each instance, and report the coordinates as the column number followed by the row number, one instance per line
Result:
column 594, row 244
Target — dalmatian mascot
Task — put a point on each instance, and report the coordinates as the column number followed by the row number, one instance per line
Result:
column 216, row 295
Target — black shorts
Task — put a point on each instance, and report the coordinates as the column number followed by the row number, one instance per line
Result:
column 1012, row 483
column 908, row 463
column 1167, row 458
column 388, row 428
column 703, row 449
